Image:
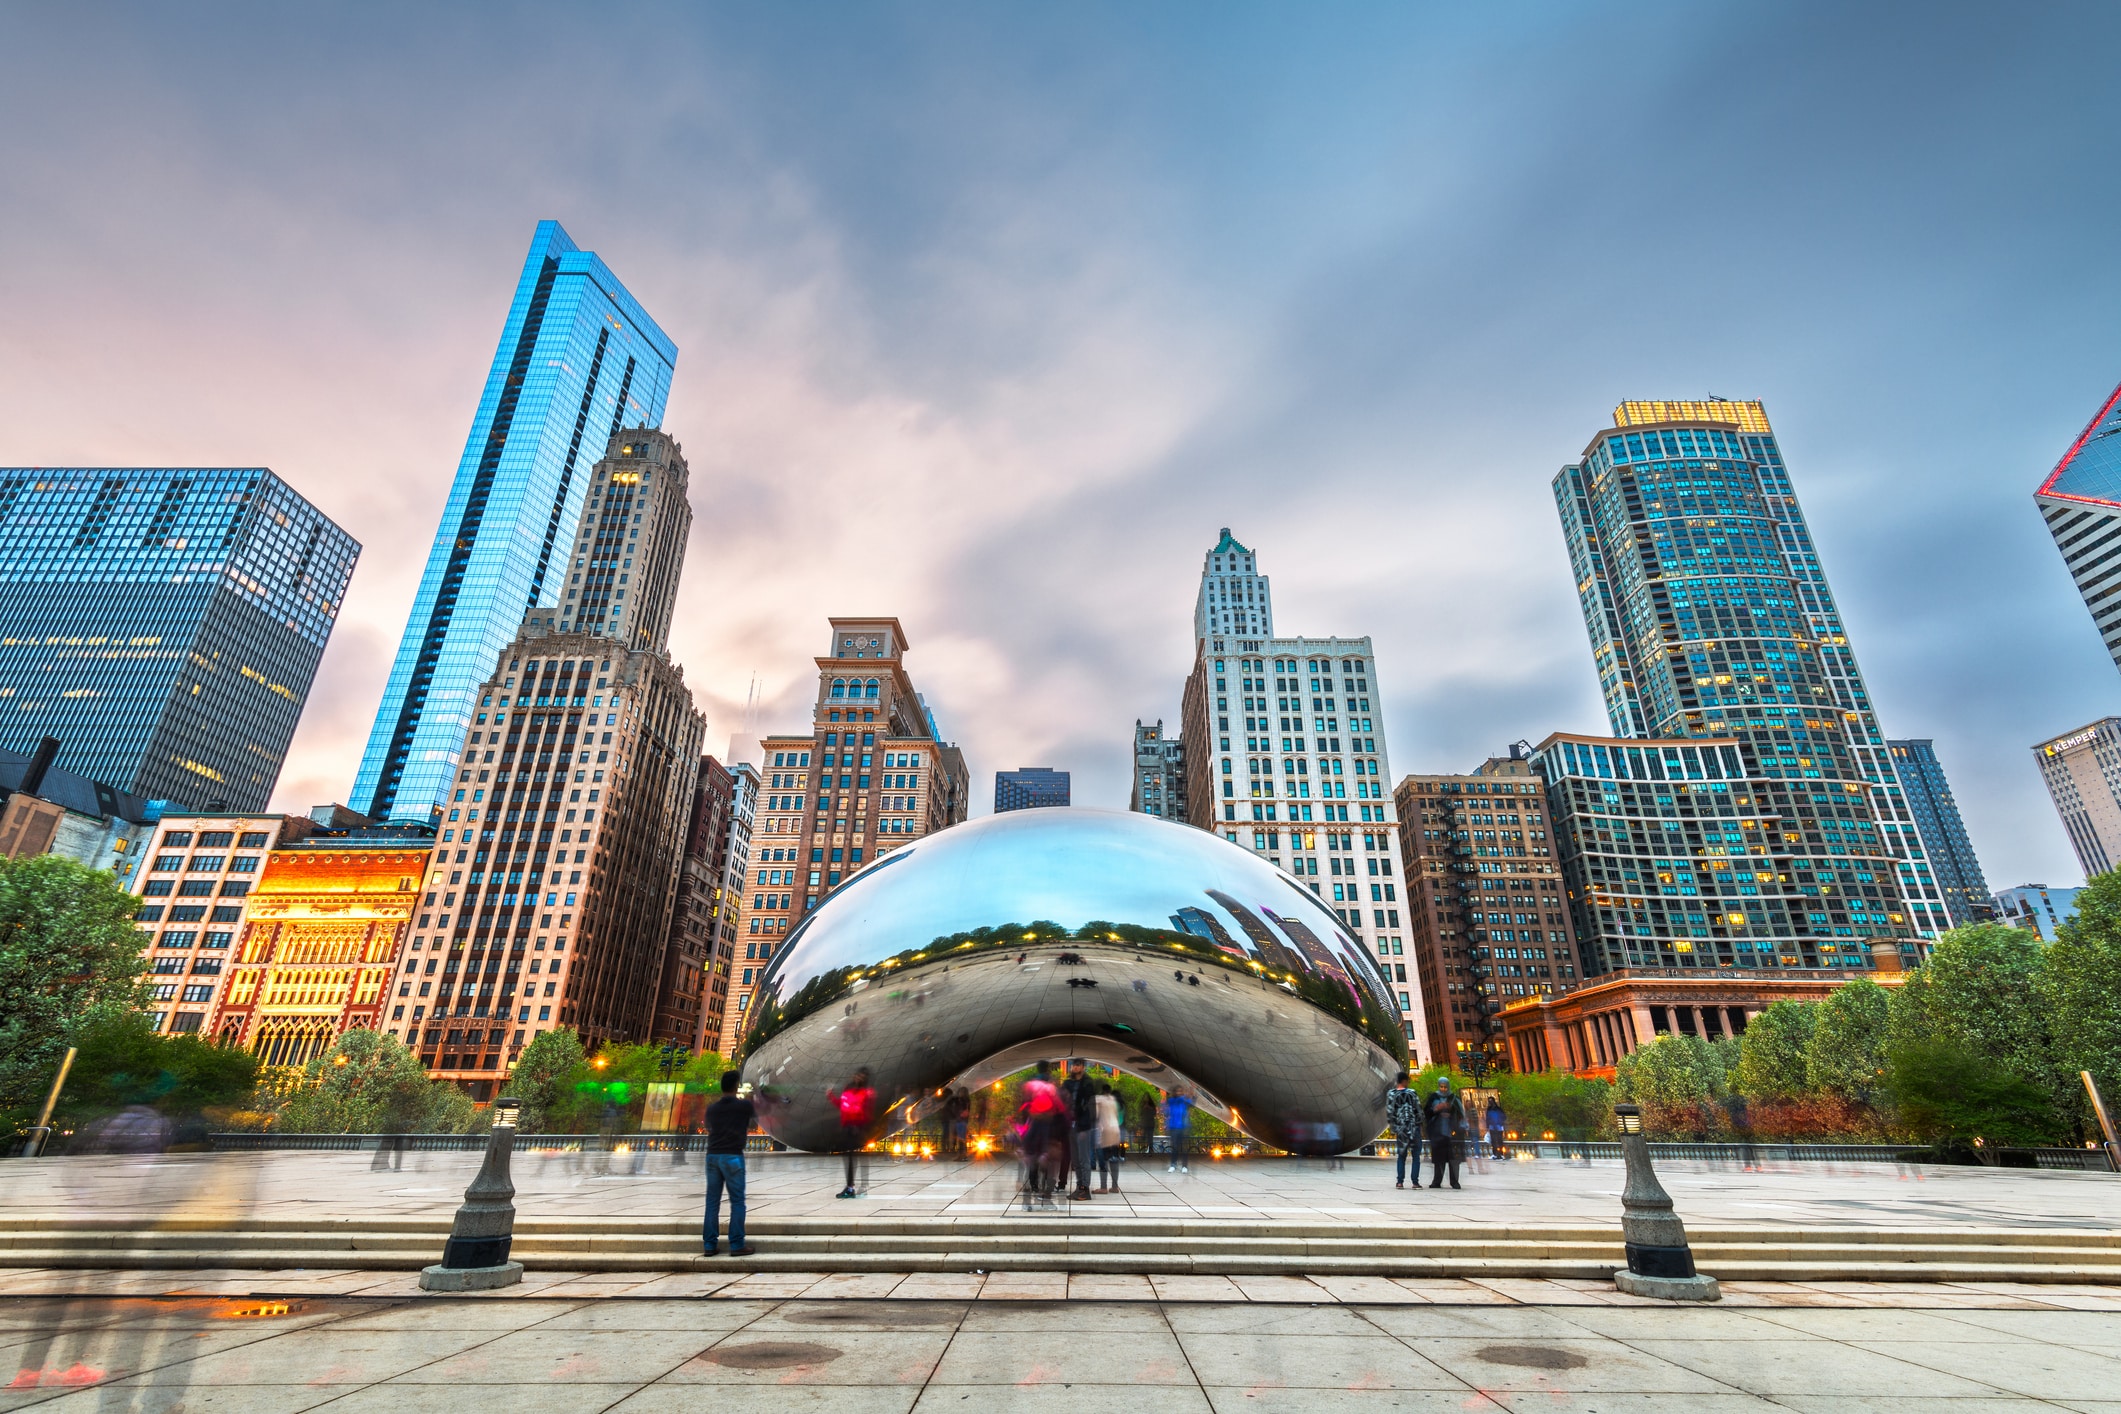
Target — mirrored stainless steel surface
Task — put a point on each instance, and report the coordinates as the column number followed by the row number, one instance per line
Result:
column 1121, row 937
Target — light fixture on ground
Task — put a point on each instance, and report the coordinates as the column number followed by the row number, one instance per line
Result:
column 476, row 1256
column 1660, row 1263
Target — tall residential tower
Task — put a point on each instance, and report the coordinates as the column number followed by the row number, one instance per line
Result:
column 1711, row 620
column 578, row 360
column 1951, row 853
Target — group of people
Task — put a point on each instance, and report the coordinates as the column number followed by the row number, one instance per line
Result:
column 1076, row 1123
column 1438, row 1120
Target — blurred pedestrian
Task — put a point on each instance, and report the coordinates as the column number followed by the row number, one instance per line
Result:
column 1111, row 1142
column 1444, row 1124
column 1080, row 1092
column 1178, row 1127
column 1496, row 1125
column 1403, row 1118
column 857, row 1107
column 1041, row 1122
column 729, row 1121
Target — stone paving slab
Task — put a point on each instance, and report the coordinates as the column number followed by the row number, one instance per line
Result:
column 846, row 1349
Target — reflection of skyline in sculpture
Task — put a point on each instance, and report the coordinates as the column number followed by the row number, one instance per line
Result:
column 1077, row 932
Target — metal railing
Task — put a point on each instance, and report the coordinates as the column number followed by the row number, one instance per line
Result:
column 2083, row 1160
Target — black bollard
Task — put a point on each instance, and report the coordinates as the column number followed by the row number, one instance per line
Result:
column 1660, row 1263
column 476, row 1256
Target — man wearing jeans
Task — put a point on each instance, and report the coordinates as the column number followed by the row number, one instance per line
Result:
column 728, row 1126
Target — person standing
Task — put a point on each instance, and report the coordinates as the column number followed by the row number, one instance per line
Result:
column 1403, row 1117
column 1496, row 1125
column 1444, row 1121
column 1043, row 1115
column 1080, row 1092
column 857, row 1107
column 729, row 1121
column 1109, row 1140
column 1178, row 1126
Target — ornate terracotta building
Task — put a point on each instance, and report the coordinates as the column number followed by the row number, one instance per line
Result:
column 322, row 931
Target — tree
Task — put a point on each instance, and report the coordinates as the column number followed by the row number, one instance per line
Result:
column 1771, row 1061
column 1981, row 989
column 1846, row 1054
column 124, row 1062
column 543, row 1075
column 69, row 954
column 1950, row 1095
column 2081, row 986
column 369, row 1083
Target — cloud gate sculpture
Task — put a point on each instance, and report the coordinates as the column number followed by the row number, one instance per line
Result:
column 1160, row 949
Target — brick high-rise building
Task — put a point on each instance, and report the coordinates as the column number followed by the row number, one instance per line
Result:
column 873, row 773
column 731, row 868
column 1487, row 908
column 558, row 864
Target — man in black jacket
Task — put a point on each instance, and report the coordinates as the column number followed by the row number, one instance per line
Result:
column 729, row 1121
column 1444, row 1121
column 1081, row 1096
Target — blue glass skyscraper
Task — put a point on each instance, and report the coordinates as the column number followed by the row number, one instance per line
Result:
column 164, row 623
column 1944, row 839
column 578, row 359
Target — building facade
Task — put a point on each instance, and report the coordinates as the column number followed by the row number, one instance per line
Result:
column 2082, row 773
column 1589, row 1030
column 1487, row 914
column 1710, row 617
column 46, row 809
column 695, row 923
column 1030, row 788
column 2038, row 908
column 732, row 869
column 164, row 624
column 321, row 935
column 1284, row 757
column 559, row 861
column 1159, row 773
column 1951, row 852
column 870, row 776
column 579, row 359
column 2081, row 503
column 195, row 879
column 1679, row 853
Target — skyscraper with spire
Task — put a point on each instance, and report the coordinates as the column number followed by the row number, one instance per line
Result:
column 1283, row 755
column 578, row 360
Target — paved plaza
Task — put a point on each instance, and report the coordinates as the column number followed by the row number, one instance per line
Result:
column 288, row 1185
column 1022, row 1350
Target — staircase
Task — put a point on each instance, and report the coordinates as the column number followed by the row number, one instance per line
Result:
column 1064, row 1244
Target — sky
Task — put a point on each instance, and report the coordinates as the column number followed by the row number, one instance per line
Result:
column 991, row 316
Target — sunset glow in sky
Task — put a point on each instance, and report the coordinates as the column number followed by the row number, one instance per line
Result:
column 990, row 316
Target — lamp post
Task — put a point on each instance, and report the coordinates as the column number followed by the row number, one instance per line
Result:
column 1660, row 1263
column 476, row 1256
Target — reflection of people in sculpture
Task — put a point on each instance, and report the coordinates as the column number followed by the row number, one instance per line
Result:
column 857, row 1107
